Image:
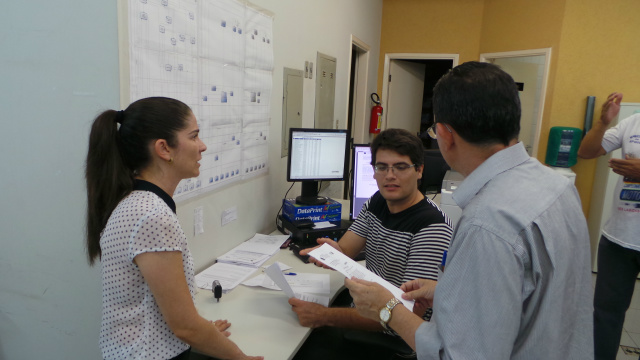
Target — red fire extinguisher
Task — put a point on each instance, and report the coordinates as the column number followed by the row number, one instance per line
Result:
column 376, row 115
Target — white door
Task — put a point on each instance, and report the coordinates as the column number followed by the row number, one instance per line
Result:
column 529, row 74
column 404, row 102
column 532, row 102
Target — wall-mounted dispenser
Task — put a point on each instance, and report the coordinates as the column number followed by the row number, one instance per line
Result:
column 562, row 149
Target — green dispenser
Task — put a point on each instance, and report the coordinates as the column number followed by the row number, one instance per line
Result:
column 562, row 149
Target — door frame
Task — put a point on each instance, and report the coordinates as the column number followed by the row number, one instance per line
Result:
column 546, row 52
column 406, row 56
column 359, row 127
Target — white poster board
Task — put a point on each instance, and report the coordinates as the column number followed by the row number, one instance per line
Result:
column 217, row 57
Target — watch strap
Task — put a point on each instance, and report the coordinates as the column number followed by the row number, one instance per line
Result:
column 389, row 306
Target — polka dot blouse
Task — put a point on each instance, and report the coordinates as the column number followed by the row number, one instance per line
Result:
column 132, row 325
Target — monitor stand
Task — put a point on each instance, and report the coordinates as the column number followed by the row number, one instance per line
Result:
column 309, row 195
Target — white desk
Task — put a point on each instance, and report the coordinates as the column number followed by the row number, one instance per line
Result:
column 262, row 322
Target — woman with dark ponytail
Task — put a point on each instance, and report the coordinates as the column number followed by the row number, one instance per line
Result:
column 135, row 161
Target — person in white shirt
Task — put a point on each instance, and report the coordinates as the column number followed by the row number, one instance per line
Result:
column 619, row 248
column 136, row 159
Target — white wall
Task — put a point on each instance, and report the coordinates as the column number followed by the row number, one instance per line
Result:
column 59, row 68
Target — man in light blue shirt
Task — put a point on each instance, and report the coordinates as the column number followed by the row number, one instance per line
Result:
column 517, row 283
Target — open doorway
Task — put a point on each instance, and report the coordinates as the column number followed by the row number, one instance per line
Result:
column 530, row 69
column 408, row 90
column 358, row 98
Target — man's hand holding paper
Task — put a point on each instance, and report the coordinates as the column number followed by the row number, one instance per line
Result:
column 338, row 261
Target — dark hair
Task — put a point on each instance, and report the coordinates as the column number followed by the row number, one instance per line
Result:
column 480, row 101
column 116, row 154
column 401, row 141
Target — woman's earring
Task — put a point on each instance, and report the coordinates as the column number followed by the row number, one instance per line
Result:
column 170, row 160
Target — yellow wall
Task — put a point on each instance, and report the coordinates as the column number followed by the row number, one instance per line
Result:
column 595, row 49
column 599, row 53
column 430, row 26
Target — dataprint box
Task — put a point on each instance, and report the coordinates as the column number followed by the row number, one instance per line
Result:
column 329, row 211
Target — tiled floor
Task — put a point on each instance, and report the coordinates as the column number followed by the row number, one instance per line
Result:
column 631, row 331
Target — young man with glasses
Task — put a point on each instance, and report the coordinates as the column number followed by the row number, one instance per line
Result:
column 517, row 282
column 404, row 235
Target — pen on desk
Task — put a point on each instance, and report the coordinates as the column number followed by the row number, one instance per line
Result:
column 290, row 273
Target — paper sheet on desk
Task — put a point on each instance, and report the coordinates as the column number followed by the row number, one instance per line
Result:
column 243, row 257
column 277, row 276
column 255, row 251
column 229, row 276
column 300, row 283
column 263, row 244
column 349, row 268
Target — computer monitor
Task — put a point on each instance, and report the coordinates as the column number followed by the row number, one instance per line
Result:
column 363, row 185
column 434, row 171
column 316, row 155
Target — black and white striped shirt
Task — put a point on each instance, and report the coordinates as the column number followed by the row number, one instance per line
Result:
column 403, row 246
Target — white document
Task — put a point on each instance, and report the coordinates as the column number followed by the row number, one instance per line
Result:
column 300, row 283
column 264, row 244
column 261, row 280
column 277, row 276
column 349, row 268
column 323, row 224
column 255, row 251
column 229, row 276
column 242, row 257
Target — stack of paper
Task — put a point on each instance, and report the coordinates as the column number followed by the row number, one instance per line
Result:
column 255, row 251
column 238, row 264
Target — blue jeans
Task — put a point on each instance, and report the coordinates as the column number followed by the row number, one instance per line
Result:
column 618, row 268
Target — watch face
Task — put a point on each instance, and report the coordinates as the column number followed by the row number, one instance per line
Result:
column 384, row 315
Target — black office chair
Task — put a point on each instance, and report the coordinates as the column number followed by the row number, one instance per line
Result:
column 433, row 172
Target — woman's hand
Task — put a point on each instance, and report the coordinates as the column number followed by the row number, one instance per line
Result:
column 222, row 326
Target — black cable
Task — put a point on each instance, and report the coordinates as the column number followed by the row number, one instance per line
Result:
column 281, row 205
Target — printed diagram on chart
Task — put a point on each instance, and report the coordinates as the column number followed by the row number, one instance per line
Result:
column 217, row 57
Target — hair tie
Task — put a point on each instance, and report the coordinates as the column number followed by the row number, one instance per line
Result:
column 119, row 116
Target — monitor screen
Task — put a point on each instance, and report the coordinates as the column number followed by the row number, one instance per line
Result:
column 362, row 181
column 314, row 155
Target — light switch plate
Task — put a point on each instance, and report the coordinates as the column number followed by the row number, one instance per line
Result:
column 198, row 220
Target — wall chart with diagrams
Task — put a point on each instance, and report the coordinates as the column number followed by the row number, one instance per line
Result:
column 217, row 57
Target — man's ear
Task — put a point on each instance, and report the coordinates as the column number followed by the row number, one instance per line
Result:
column 419, row 170
column 161, row 148
column 445, row 136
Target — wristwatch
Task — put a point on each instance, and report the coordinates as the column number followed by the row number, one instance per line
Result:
column 385, row 312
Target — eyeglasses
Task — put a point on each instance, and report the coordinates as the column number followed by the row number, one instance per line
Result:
column 431, row 131
column 396, row 169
